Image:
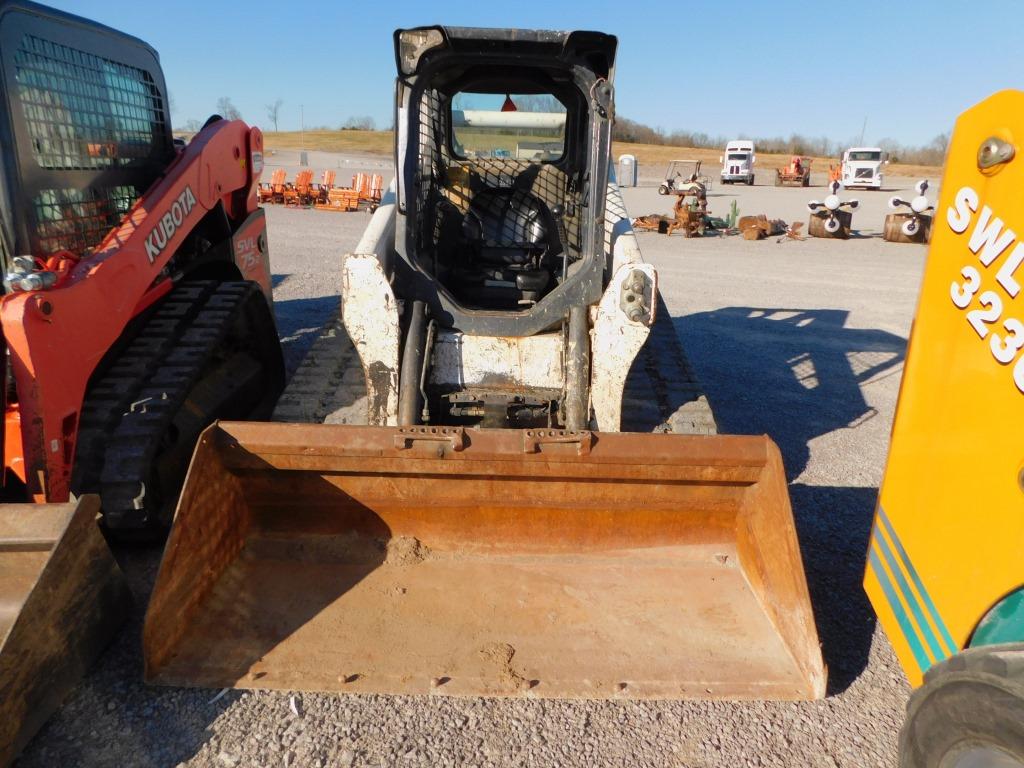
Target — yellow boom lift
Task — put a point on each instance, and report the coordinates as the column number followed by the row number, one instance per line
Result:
column 945, row 566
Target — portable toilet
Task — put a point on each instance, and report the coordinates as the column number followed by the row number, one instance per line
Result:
column 627, row 172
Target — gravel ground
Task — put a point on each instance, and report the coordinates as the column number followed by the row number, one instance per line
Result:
column 802, row 340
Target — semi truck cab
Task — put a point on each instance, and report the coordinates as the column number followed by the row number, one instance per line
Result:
column 738, row 162
column 862, row 167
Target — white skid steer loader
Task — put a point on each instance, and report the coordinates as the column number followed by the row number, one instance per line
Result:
column 509, row 518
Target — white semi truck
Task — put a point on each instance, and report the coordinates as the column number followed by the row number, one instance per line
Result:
column 862, row 167
column 738, row 162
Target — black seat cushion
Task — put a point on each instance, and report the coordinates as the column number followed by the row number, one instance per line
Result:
column 506, row 226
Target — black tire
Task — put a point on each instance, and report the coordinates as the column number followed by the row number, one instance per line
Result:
column 663, row 189
column 750, row 180
column 970, row 706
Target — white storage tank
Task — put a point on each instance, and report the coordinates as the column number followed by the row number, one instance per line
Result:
column 627, row 172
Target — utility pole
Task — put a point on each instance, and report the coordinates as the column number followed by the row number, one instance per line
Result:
column 302, row 125
column 863, row 128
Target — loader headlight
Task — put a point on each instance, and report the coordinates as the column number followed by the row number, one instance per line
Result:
column 413, row 43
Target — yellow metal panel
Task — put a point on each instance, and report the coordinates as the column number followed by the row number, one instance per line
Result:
column 949, row 533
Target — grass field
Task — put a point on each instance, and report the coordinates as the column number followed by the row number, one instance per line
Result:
column 382, row 143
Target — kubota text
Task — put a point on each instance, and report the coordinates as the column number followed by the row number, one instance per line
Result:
column 168, row 224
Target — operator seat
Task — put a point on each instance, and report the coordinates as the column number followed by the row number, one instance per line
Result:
column 508, row 236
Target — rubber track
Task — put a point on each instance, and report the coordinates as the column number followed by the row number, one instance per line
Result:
column 662, row 392
column 328, row 386
column 113, row 393
column 127, row 412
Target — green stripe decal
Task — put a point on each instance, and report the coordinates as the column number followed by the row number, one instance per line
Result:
column 897, row 608
column 951, row 647
column 925, row 631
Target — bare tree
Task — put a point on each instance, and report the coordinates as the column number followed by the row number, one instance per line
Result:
column 227, row 110
column 365, row 123
column 273, row 111
column 192, row 125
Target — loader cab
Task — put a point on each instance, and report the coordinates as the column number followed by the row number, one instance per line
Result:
column 84, row 128
column 502, row 150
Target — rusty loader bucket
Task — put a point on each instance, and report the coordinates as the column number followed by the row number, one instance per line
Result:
column 484, row 562
column 62, row 598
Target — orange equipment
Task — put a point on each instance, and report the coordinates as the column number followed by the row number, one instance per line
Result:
column 57, row 337
column 136, row 311
column 796, row 174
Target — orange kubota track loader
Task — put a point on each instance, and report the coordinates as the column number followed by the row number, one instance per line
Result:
column 500, row 524
column 136, row 310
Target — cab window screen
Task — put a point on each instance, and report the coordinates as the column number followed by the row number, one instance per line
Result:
column 77, row 219
column 86, row 112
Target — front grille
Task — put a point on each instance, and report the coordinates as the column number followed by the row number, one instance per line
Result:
column 864, row 173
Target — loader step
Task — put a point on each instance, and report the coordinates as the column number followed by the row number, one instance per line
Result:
column 209, row 350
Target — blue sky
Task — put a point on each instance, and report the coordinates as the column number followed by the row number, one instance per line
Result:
column 722, row 68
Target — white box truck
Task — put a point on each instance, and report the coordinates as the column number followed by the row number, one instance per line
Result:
column 738, row 162
column 862, row 167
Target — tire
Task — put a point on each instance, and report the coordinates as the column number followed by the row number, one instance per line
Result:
column 910, row 227
column 750, row 180
column 970, row 707
column 832, row 225
column 663, row 189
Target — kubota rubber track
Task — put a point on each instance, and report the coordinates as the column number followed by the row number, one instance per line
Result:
column 662, row 392
column 209, row 351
